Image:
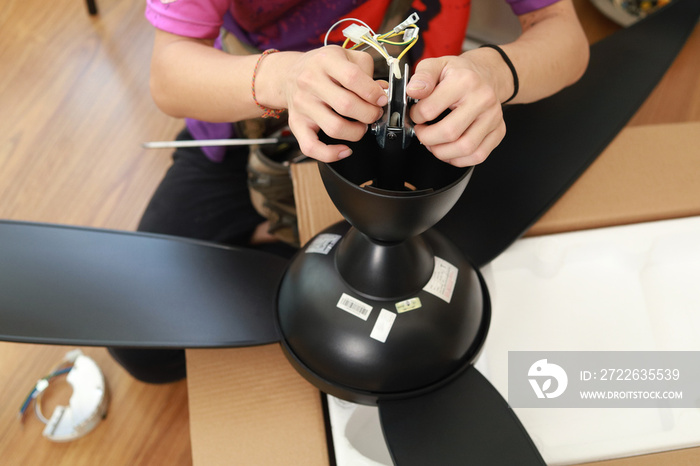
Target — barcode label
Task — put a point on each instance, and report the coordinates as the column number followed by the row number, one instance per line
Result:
column 323, row 243
column 442, row 283
column 354, row 306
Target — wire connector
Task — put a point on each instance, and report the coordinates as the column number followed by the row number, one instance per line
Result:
column 355, row 33
column 412, row 19
column 41, row 385
column 410, row 33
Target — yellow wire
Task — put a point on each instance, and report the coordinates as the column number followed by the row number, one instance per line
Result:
column 376, row 46
column 391, row 33
column 395, row 43
column 382, row 38
column 407, row 49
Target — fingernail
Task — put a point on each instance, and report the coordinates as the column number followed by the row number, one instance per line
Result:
column 344, row 153
column 416, row 86
column 381, row 101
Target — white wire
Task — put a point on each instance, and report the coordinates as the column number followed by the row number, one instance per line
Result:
column 37, row 410
column 325, row 39
column 376, row 46
column 372, row 41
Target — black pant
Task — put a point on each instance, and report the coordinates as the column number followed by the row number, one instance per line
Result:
column 197, row 199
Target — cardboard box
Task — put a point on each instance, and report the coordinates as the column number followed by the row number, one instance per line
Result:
column 647, row 173
column 248, row 406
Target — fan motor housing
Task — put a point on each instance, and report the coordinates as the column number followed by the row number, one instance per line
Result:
column 383, row 305
column 362, row 346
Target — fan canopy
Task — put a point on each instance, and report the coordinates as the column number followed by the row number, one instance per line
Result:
column 358, row 187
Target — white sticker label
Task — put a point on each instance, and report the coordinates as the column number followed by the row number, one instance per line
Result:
column 383, row 325
column 323, row 243
column 354, row 306
column 442, row 283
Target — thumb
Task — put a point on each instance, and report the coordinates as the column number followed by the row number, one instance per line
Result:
column 425, row 78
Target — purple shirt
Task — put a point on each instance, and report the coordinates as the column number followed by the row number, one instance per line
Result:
column 281, row 24
column 521, row 7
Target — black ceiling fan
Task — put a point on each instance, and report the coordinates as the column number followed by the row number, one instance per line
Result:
column 79, row 286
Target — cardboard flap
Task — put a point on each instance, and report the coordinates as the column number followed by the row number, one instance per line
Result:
column 647, row 173
column 315, row 210
column 249, row 406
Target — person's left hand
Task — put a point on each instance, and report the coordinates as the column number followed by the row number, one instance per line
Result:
column 474, row 127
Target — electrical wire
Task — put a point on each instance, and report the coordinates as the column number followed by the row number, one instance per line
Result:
column 366, row 36
column 384, row 38
column 372, row 42
column 376, row 41
column 39, row 388
column 325, row 39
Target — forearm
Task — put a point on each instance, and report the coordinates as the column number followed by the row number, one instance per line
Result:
column 329, row 89
column 190, row 78
column 551, row 53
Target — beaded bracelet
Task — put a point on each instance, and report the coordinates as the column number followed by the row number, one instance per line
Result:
column 267, row 112
column 516, row 83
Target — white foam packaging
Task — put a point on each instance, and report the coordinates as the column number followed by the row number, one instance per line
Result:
column 623, row 288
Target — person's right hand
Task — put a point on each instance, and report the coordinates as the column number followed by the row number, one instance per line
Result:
column 332, row 89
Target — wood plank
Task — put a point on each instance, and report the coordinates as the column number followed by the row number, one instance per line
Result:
column 145, row 425
column 75, row 107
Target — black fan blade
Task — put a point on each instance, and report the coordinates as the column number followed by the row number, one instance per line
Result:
column 551, row 142
column 465, row 422
column 80, row 286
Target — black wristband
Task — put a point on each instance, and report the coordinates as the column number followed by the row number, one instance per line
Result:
column 516, row 83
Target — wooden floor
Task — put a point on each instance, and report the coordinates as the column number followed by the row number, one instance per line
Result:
column 74, row 108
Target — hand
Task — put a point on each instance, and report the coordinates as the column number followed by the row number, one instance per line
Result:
column 331, row 89
column 474, row 127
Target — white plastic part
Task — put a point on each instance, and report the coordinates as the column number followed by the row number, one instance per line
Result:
column 88, row 403
column 72, row 355
column 394, row 67
column 410, row 33
column 624, row 288
column 354, row 32
column 41, row 385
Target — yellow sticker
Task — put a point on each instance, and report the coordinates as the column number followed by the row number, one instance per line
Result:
column 408, row 305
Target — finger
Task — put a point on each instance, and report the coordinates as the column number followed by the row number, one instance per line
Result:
column 447, row 130
column 480, row 106
column 357, row 77
column 347, row 103
column 337, row 126
column 361, row 59
column 314, row 109
column 445, row 96
column 306, row 134
column 425, row 78
column 460, row 154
